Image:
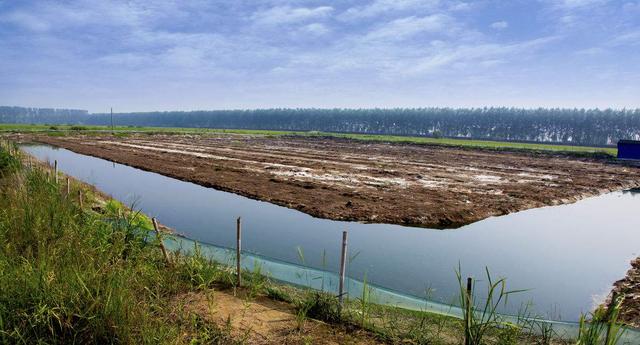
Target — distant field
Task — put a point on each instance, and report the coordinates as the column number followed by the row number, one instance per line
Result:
column 487, row 144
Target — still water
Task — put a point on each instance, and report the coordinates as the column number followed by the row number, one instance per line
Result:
column 566, row 256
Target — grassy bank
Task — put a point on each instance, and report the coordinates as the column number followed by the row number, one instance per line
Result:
column 79, row 275
column 484, row 144
column 95, row 274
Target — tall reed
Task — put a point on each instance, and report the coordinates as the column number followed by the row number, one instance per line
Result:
column 479, row 319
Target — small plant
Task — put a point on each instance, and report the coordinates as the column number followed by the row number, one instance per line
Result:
column 603, row 328
column 478, row 320
column 8, row 162
column 201, row 272
column 301, row 319
column 204, row 332
column 509, row 334
column 364, row 301
column 278, row 294
column 256, row 281
column 321, row 306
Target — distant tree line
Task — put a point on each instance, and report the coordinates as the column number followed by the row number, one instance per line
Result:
column 41, row 115
column 567, row 126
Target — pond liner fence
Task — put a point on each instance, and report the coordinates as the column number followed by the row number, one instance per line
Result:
column 327, row 281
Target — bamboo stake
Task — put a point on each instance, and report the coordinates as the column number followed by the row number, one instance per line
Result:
column 467, row 326
column 80, row 198
column 238, row 251
column 343, row 267
column 68, row 187
column 158, row 235
column 55, row 170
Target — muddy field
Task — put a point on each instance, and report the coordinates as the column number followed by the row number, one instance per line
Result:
column 418, row 185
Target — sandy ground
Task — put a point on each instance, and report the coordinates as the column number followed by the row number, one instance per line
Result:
column 417, row 185
column 265, row 321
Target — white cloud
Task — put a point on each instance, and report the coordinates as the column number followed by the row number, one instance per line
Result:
column 316, row 29
column 501, row 25
column 593, row 51
column 460, row 6
column 631, row 37
column 26, row 21
column 403, row 28
column 125, row 59
column 571, row 4
column 469, row 55
column 286, row 15
column 380, row 7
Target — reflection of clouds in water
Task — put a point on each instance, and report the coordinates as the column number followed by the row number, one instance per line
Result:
column 133, row 201
column 91, row 179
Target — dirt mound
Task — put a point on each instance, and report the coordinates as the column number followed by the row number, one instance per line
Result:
column 417, row 185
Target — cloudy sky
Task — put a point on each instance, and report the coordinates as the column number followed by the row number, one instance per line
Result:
column 183, row 55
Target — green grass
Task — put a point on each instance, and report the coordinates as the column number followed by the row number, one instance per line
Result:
column 483, row 144
column 72, row 275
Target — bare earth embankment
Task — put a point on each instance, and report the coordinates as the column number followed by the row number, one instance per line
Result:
column 418, row 185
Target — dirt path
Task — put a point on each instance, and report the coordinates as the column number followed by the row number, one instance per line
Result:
column 418, row 185
column 265, row 321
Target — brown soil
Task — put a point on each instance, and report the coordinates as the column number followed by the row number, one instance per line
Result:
column 265, row 321
column 629, row 287
column 418, row 185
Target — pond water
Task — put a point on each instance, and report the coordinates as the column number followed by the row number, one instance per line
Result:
column 566, row 256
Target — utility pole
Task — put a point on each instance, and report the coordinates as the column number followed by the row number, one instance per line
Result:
column 112, row 130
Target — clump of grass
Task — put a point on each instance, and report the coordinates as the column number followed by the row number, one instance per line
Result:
column 321, row 306
column 479, row 320
column 8, row 163
column 204, row 332
column 603, row 328
column 201, row 272
column 278, row 293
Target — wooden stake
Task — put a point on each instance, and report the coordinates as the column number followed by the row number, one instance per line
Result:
column 343, row 267
column 55, row 170
column 238, row 250
column 68, row 186
column 158, row 235
column 80, row 198
column 467, row 326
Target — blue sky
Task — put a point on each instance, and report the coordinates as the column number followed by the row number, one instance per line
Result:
column 184, row 55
